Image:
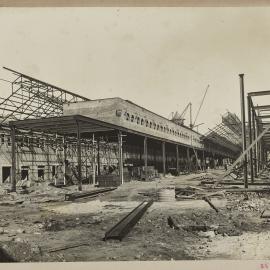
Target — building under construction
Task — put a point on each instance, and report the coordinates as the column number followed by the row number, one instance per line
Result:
column 76, row 173
column 46, row 129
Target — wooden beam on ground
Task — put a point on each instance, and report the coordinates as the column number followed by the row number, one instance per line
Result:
column 210, row 203
column 240, row 190
column 122, row 228
column 90, row 193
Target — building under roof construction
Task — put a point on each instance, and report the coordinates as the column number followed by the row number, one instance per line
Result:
column 46, row 129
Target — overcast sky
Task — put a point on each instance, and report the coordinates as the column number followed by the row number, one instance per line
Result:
column 159, row 58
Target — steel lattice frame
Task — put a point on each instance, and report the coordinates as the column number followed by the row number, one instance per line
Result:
column 227, row 133
column 32, row 98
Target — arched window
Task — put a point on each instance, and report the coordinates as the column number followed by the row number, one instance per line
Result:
column 138, row 120
column 157, row 127
column 132, row 118
column 127, row 116
column 150, row 125
column 146, row 123
column 142, row 122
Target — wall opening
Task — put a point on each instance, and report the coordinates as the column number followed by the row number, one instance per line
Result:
column 41, row 172
column 25, row 173
column 6, row 174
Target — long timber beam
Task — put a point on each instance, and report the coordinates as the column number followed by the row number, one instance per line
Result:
column 123, row 227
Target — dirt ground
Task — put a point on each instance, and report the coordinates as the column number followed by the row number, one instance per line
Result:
column 35, row 222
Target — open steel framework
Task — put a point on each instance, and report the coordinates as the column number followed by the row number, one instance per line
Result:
column 33, row 116
column 32, row 98
column 227, row 133
column 258, row 121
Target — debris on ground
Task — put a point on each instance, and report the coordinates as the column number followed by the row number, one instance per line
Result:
column 41, row 224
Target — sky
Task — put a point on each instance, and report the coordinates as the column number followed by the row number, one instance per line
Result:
column 159, row 58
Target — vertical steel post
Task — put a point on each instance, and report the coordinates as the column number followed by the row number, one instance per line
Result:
column 204, row 163
column 258, row 148
column 94, row 160
column 65, row 157
column 163, row 158
column 190, row 115
column 177, row 159
column 145, row 155
column 13, row 160
column 255, row 147
column 244, row 144
column 188, row 160
column 79, row 156
column 120, row 151
column 98, row 156
column 250, row 138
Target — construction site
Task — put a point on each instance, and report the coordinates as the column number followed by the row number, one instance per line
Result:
column 109, row 180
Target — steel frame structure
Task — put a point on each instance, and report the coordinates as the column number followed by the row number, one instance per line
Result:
column 33, row 98
column 257, row 123
column 227, row 133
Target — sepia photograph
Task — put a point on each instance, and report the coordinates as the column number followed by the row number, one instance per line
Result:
column 134, row 134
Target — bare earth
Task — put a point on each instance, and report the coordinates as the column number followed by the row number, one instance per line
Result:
column 33, row 223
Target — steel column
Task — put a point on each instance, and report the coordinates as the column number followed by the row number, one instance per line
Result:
column 177, row 159
column 188, row 160
column 98, row 156
column 204, row 163
column 163, row 158
column 145, row 155
column 13, row 160
column 120, row 158
column 79, row 156
column 94, row 160
column 65, row 157
column 254, row 133
column 242, row 97
column 250, row 138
